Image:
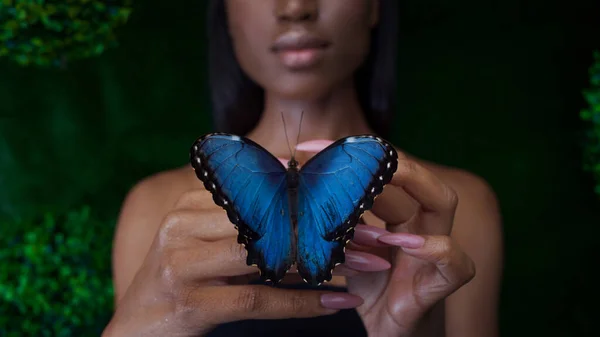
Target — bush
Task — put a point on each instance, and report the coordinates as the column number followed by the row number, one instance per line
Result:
column 55, row 277
column 53, row 32
column 591, row 115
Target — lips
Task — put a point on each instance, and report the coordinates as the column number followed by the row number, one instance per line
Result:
column 298, row 40
column 299, row 49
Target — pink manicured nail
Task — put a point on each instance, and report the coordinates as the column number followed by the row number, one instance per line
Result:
column 340, row 301
column 405, row 240
column 362, row 261
column 367, row 235
column 314, row 145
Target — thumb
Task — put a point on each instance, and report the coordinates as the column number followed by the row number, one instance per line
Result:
column 233, row 303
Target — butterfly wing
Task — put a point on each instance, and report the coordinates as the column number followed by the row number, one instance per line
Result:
column 335, row 187
column 250, row 184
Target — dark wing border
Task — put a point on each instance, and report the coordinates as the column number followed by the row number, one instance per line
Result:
column 381, row 178
column 197, row 159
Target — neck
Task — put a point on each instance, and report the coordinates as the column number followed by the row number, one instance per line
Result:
column 330, row 117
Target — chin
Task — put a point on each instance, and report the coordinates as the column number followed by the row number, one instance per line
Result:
column 303, row 88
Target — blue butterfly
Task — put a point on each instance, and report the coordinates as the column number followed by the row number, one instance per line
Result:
column 288, row 215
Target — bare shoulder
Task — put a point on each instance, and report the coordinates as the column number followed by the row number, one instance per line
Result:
column 473, row 309
column 142, row 212
column 478, row 223
column 475, row 194
column 163, row 188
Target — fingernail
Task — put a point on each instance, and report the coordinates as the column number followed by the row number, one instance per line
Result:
column 342, row 270
column 314, row 145
column 372, row 231
column 340, row 301
column 405, row 240
column 365, row 262
column 368, row 234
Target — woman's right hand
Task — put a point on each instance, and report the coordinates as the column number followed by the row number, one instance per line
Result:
column 186, row 287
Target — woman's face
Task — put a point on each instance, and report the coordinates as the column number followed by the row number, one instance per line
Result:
column 301, row 49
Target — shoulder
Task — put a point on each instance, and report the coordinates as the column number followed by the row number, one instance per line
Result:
column 154, row 196
column 478, row 222
column 161, row 189
column 472, row 310
column 475, row 194
column 142, row 212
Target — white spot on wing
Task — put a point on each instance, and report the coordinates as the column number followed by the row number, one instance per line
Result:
column 236, row 138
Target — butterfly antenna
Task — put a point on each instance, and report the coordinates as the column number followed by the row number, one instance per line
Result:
column 286, row 135
column 298, row 137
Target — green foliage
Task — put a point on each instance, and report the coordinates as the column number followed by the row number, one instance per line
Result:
column 592, row 116
column 54, row 32
column 55, row 276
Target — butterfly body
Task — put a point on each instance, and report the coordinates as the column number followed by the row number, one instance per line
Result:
column 291, row 215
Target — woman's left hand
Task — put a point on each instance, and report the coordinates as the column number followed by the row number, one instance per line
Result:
column 426, row 264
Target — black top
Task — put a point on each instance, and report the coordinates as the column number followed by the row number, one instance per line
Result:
column 345, row 323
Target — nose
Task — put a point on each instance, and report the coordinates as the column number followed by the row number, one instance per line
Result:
column 296, row 10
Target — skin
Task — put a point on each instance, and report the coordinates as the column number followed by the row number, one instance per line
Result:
column 428, row 262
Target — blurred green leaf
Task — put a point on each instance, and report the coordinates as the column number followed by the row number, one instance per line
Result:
column 60, row 260
column 38, row 31
column 591, row 116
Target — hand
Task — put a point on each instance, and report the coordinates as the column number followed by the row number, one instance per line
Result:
column 427, row 265
column 189, row 281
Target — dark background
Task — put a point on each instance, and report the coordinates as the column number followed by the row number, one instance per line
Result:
column 489, row 86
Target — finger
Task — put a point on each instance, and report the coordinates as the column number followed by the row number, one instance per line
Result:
column 207, row 225
column 394, row 206
column 366, row 235
column 339, row 270
column 234, row 303
column 431, row 193
column 215, row 260
column 342, row 270
column 356, row 261
column 436, row 199
column 455, row 266
column 228, row 258
column 195, row 199
column 365, row 262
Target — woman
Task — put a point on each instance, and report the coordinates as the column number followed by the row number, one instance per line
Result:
column 178, row 270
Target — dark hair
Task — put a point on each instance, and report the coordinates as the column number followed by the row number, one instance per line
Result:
column 237, row 101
